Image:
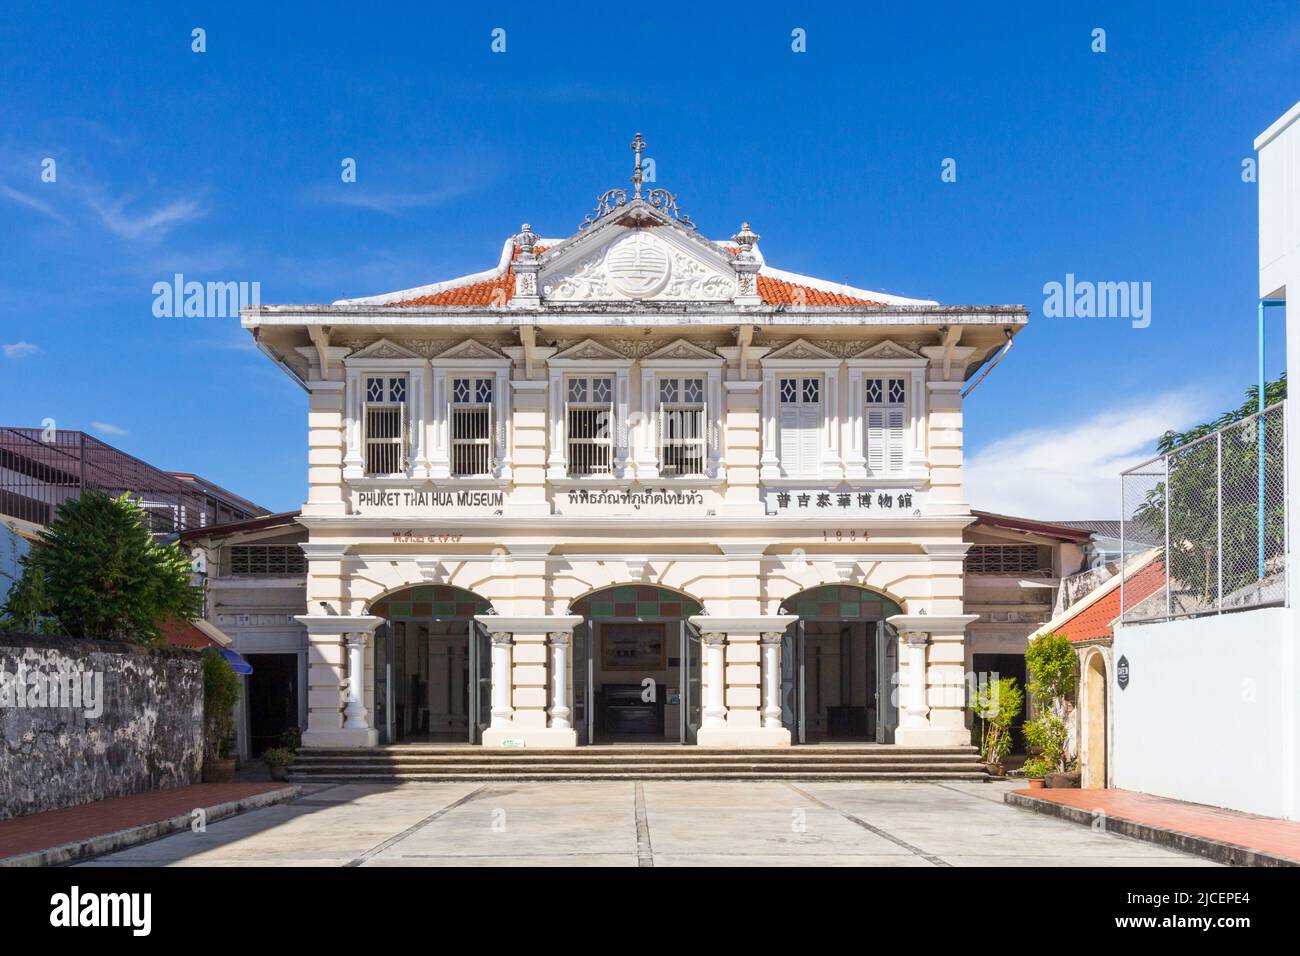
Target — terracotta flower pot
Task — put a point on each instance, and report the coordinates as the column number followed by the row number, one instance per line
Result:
column 996, row 769
column 1062, row 780
column 1035, row 783
column 219, row 771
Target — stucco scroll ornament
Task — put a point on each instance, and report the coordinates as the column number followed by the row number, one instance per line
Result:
column 587, row 281
column 691, row 280
column 666, row 202
column 606, row 203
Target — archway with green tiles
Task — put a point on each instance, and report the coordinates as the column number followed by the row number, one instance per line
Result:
column 636, row 666
column 432, row 666
column 840, row 602
column 839, row 666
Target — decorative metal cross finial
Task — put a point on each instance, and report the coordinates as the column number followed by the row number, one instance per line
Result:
column 638, row 147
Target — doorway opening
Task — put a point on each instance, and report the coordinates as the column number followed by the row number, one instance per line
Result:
column 839, row 667
column 996, row 666
column 636, row 667
column 1093, row 764
column 272, row 691
column 432, row 666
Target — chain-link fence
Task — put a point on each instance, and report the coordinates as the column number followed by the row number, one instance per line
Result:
column 1205, row 527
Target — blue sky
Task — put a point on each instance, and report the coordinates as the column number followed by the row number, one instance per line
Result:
column 224, row 165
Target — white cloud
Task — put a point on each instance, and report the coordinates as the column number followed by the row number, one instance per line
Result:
column 17, row 350
column 1071, row 471
column 115, row 216
column 108, row 428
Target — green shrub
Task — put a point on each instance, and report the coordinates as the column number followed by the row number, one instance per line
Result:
column 277, row 757
column 220, row 694
column 1053, row 671
column 96, row 573
column 997, row 704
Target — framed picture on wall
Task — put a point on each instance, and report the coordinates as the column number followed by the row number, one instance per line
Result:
column 633, row 647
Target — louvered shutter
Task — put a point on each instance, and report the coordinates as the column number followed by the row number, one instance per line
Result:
column 791, row 440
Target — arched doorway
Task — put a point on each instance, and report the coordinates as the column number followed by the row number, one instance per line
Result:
column 432, row 677
column 1093, row 764
column 839, row 666
column 636, row 666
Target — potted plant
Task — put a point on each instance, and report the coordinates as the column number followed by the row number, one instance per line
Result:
column 278, row 760
column 997, row 704
column 1053, row 669
column 220, row 694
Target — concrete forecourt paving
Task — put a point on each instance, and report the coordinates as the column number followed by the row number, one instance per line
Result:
column 647, row 824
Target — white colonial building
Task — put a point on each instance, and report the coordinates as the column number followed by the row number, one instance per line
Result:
column 635, row 484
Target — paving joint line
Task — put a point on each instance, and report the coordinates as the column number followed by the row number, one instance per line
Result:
column 871, row 828
column 644, row 854
column 398, row 838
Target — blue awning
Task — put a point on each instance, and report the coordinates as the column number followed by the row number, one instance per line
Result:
column 237, row 663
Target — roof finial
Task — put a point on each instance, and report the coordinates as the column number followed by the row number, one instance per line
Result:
column 638, row 147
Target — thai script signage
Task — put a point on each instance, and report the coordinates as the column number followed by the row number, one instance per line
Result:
column 673, row 501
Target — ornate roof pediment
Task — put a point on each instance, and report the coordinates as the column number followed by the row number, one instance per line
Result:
column 637, row 255
column 888, row 349
column 471, row 350
column 802, row 349
column 588, row 350
column 680, row 350
column 383, row 349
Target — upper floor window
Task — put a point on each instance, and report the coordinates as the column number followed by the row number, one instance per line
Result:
column 683, row 429
column 267, row 559
column 886, row 416
column 385, row 423
column 589, row 417
column 800, row 424
column 473, row 441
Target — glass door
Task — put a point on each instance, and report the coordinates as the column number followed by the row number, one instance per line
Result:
column 792, row 682
column 480, row 681
column 384, row 655
column 692, row 657
column 581, row 678
column 886, row 682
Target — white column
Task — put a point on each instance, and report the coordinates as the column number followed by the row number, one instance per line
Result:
column 771, row 644
column 439, row 446
column 855, row 460
column 917, row 711
column 501, row 678
column 715, row 697
column 556, row 461
column 504, row 424
column 647, row 453
column 832, row 466
column 355, row 711
column 713, row 409
column 353, row 463
column 420, row 421
column 622, row 437
column 769, row 461
column 559, row 641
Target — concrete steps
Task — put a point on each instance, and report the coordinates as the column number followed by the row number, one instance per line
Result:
column 409, row 763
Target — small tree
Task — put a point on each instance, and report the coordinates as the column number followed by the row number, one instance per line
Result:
column 96, row 573
column 1053, row 669
column 997, row 704
column 220, row 694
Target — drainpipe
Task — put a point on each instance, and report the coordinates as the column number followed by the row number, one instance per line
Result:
column 1259, row 432
column 992, row 365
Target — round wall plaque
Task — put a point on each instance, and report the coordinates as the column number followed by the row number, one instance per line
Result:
column 638, row 265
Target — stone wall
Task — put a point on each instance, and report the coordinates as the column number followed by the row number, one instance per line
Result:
column 116, row 719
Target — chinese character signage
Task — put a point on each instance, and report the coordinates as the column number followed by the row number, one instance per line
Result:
column 887, row 503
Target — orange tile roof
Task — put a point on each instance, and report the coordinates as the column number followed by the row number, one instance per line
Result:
column 1094, row 621
column 780, row 292
column 500, row 290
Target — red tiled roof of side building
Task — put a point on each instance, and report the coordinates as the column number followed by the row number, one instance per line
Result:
column 180, row 633
column 1094, row 621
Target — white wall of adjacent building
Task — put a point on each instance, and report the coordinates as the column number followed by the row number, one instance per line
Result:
column 1211, row 713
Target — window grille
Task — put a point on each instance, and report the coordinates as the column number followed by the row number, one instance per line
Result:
column 472, row 437
column 1007, row 559
column 267, row 559
column 589, row 412
column 682, row 430
column 385, row 425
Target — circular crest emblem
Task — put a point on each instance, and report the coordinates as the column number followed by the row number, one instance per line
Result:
column 638, row 265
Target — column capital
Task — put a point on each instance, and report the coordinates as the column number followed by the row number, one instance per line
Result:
column 714, row 638
column 771, row 637
column 559, row 637
column 503, row 637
